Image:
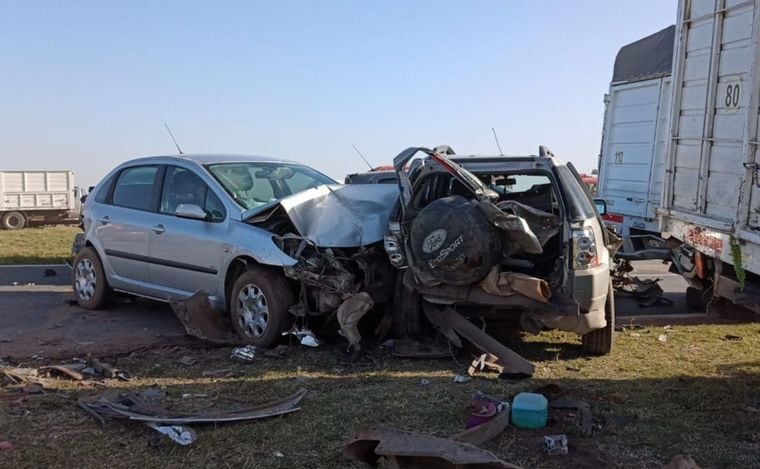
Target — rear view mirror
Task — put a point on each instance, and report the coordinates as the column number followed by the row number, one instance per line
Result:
column 191, row 211
column 601, row 206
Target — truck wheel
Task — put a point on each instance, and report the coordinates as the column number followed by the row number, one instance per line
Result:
column 599, row 342
column 91, row 289
column 259, row 306
column 13, row 221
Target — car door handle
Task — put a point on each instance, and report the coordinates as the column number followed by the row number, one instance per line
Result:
column 158, row 229
column 104, row 220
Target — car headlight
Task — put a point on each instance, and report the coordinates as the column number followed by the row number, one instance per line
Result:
column 585, row 254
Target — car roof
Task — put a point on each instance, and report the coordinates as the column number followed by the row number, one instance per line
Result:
column 212, row 158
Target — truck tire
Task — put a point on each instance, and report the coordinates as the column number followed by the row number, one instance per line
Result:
column 13, row 221
column 259, row 305
column 91, row 288
column 599, row 342
column 697, row 298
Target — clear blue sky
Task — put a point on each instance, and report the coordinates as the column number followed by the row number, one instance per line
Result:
column 85, row 85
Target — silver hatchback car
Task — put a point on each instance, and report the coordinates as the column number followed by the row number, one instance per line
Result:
column 267, row 240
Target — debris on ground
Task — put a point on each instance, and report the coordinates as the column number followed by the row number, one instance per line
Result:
column 414, row 450
column 245, row 354
column 647, row 292
column 487, row 418
column 201, row 320
column 731, row 337
column 130, row 405
column 424, row 382
column 452, row 324
column 6, row 445
column 575, row 412
column 187, row 360
column 304, row 336
column 459, row 379
column 483, row 362
column 180, row 434
column 681, row 462
column 662, row 338
column 555, row 445
column 72, row 371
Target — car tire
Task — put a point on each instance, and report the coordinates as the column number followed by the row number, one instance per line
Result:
column 13, row 221
column 259, row 305
column 91, row 289
column 600, row 342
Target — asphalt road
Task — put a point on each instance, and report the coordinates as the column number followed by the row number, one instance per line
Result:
column 37, row 318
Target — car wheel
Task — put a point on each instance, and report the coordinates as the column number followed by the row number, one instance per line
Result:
column 13, row 221
column 91, row 289
column 599, row 342
column 259, row 306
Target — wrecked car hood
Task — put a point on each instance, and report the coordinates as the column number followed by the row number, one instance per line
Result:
column 336, row 215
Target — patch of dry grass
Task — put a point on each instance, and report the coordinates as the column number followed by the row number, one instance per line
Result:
column 48, row 245
column 687, row 395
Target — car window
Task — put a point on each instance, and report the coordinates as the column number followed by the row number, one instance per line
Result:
column 104, row 190
column 182, row 186
column 255, row 184
column 134, row 188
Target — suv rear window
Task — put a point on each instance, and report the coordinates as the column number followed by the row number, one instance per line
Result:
column 134, row 188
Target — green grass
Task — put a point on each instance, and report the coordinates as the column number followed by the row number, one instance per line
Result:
column 692, row 394
column 49, row 245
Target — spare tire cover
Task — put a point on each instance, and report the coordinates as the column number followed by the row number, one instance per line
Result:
column 453, row 241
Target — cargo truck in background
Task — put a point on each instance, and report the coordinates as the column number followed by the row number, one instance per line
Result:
column 49, row 197
column 710, row 208
column 635, row 142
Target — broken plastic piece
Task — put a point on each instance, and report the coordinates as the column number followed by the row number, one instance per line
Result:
column 305, row 336
column 349, row 313
column 201, row 320
column 180, row 434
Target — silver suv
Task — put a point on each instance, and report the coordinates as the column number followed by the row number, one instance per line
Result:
column 267, row 240
column 503, row 238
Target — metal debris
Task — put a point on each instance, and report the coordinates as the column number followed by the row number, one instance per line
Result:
column 128, row 405
column 555, row 444
column 575, row 412
column 450, row 323
column 70, row 371
column 413, row 450
column 647, row 292
column 244, row 354
column 201, row 320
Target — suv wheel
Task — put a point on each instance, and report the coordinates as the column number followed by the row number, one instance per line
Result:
column 259, row 306
column 90, row 286
column 599, row 342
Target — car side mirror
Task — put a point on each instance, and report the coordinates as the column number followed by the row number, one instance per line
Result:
column 601, row 206
column 191, row 211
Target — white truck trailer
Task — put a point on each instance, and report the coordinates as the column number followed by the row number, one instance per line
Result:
column 635, row 139
column 48, row 196
column 710, row 207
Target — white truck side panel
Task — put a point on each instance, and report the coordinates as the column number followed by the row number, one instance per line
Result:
column 631, row 169
column 711, row 191
column 37, row 190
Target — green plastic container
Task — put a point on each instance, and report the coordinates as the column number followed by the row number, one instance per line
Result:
column 529, row 410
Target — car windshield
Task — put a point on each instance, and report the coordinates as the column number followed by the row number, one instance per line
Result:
column 255, row 184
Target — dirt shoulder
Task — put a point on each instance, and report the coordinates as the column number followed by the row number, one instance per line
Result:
column 694, row 393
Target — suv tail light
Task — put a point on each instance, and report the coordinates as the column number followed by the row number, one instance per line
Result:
column 584, row 249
